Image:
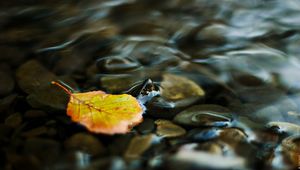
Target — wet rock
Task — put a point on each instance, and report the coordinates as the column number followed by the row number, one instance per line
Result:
column 284, row 127
column 7, row 83
column 86, row 143
column 147, row 126
column 46, row 98
column 35, row 80
column 168, row 129
column 244, row 80
column 205, row 115
column 214, row 33
column 120, row 144
column 6, row 103
column 137, row 146
column 118, row 83
column 117, row 64
column 203, row 134
column 18, row 162
column 151, row 54
column 176, row 87
column 5, row 132
column 34, row 114
column 32, row 75
column 232, row 135
column 291, row 147
column 42, row 130
column 14, row 120
column 286, row 155
column 177, row 93
column 236, row 141
column 46, row 150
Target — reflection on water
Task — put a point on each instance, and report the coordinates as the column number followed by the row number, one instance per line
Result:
column 244, row 54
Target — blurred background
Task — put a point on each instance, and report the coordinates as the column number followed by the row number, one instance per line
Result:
column 228, row 71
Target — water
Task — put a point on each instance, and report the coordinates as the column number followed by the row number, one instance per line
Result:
column 244, row 54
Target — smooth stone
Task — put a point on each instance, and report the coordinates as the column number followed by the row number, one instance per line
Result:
column 205, row 115
column 117, row 64
column 32, row 75
column 137, row 146
column 292, row 143
column 284, row 127
column 214, row 33
column 5, row 132
column 203, row 134
column 153, row 54
column 244, row 80
column 286, row 155
column 6, row 103
column 14, row 120
column 42, row 130
column 167, row 129
column 232, row 135
column 120, row 144
column 7, row 83
column 175, row 87
column 50, row 97
column 118, row 83
column 35, row 114
column 86, row 143
column 23, row 162
column 46, row 150
column 147, row 126
column 34, row 79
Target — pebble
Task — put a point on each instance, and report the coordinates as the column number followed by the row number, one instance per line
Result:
column 205, row 115
column 117, row 64
column 137, row 146
column 147, row 126
column 14, row 120
column 175, row 87
column 167, row 129
column 7, row 83
column 86, row 143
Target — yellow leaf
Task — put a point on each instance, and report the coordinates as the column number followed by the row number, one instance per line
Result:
column 104, row 113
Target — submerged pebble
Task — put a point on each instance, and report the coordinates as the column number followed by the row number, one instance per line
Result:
column 205, row 115
column 137, row 146
column 86, row 143
column 175, row 87
column 284, row 127
column 117, row 64
column 168, row 129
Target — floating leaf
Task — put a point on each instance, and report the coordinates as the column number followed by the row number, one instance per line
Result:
column 104, row 113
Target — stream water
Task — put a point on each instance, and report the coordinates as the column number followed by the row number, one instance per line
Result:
column 234, row 64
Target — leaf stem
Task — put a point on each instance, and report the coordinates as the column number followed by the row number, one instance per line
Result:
column 63, row 86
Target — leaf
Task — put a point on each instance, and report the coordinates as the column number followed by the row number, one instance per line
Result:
column 104, row 113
